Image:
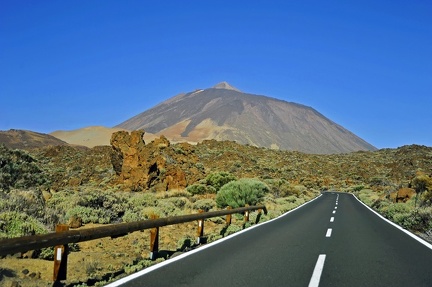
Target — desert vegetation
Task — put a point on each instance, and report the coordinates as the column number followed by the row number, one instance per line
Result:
column 85, row 187
column 412, row 210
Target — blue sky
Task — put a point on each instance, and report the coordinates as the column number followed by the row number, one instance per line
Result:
column 367, row 65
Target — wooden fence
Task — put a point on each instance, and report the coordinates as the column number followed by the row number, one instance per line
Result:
column 64, row 236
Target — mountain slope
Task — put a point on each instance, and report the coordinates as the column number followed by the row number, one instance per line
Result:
column 225, row 113
column 23, row 139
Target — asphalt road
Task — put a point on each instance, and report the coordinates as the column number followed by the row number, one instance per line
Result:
column 331, row 241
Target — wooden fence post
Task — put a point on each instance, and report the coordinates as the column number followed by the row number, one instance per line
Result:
column 200, row 232
column 245, row 217
column 228, row 217
column 246, row 214
column 60, row 256
column 154, row 240
column 258, row 216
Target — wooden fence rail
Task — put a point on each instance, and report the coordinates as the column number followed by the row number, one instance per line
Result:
column 35, row 242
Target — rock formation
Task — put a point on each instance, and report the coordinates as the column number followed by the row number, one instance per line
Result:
column 156, row 165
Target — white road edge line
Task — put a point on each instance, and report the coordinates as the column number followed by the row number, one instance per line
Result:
column 329, row 232
column 422, row 241
column 316, row 275
column 171, row 260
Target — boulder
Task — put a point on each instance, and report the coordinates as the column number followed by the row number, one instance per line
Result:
column 403, row 194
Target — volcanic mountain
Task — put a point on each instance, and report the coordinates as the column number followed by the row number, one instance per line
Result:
column 225, row 113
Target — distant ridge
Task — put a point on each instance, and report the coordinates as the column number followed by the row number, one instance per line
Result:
column 23, row 139
column 225, row 113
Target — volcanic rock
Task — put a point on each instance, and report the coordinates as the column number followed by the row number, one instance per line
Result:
column 156, row 165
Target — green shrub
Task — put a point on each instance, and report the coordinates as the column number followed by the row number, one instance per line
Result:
column 380, row 203
column 200, row 166
column 148, row 212
column 141, row 206
column 200, row 189
column 406, row 216
column 241, row 192
column 219, row 179
column 176, row 193
column 90, row 215
column 54, row 216
column 30, row 202
column 17, row 224
column 406, row 219
column 213, row 237
column 204, row 204
column 185, row 243
column 379, row 181
column 299, row 189
column 424, row 219
column 196, row 189
column 247, row 224
column 419, row 220
column 97, row 206
column 232, row 228
column 357, row 188
column 422, row 184
column 167, row 208
column 398, row 208
column 19, row 170
column 291, row 199
column 179, row 202
column 137, row 266
column 48, row 253
column 131, row 216
column 285, row 204
column 109, row 200
column 368, row 196
column 140, row 200
column 280, row 187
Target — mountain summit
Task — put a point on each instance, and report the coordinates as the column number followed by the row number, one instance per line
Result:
column 225, row 113
column 226, row 86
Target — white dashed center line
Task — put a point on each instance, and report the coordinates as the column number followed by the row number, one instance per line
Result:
column 319, row 266
column 316, row 275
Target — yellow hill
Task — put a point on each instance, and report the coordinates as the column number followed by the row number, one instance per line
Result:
column 92, row 136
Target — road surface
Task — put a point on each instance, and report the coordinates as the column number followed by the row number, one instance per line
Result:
column 332, row 241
